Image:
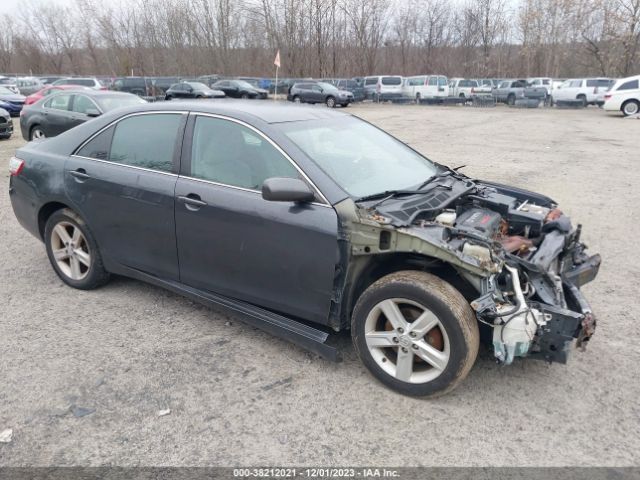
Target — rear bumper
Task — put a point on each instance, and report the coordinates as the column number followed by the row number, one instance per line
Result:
column 25, row 205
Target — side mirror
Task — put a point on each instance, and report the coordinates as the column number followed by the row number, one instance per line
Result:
column 286, row 190
column 92, row 112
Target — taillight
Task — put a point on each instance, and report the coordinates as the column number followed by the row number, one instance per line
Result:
column 607, row 96
column 15, row 166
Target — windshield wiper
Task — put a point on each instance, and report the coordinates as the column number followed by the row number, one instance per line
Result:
column 386, row 195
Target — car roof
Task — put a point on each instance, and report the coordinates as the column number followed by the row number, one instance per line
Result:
column 264, row 110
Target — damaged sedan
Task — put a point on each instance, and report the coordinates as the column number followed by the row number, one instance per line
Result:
column 305, row 222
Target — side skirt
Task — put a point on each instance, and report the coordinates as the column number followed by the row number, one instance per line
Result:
column 309, row 338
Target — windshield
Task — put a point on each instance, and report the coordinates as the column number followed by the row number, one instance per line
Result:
column 359, row 157
column 327, row 86
column 198, row 86
column 111, row 103
column 243, row 84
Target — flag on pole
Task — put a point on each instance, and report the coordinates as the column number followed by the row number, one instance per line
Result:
column 276, row 62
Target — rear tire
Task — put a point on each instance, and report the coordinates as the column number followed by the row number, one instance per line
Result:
column 630, row 107
column 297, row 99
column 511, row 99
column 583, row 99
column 415, row 333
column 73, row 252
column 36, row 133
column 244, row 96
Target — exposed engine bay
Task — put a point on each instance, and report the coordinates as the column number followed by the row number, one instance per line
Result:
column 517, row 249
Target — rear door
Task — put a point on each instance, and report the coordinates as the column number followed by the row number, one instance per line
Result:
column 278, row 255
column 57, row 114
column 122, row 183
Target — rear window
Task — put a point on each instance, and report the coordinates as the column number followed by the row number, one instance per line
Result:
column 391, row 80
column 602, row 82
column 371, row 81
column 631, row 85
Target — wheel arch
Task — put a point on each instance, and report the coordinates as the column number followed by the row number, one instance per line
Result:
column 46, row 211
column 374, row 267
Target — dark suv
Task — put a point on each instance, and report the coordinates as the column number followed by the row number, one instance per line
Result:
column 141, row 86
column 319, row 92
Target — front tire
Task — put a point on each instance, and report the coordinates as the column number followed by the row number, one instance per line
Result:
column 415, row 333
column 73, row 252
column 330, row 102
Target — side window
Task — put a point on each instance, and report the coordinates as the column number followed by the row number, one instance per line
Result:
column 371, row 81
column 442, row 81
column 575, row 84
column 232, row 154
column 631, row 85
column 99, row 146
column 433, row 81
column 146, row 141
column 59, row 102
column 82, row 103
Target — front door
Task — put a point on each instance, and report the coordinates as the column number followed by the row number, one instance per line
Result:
column 122, row 183
column 278, row 255
column 57, row 112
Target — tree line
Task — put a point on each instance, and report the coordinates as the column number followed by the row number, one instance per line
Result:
column 324, row 38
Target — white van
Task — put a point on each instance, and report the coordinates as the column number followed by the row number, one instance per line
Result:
column 590, row 91
column 426, row 86
column 383, row 87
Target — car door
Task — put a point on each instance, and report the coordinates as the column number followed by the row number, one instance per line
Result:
column 57, row 115
column 122, row 183
column 80, row 105
column 278, row 255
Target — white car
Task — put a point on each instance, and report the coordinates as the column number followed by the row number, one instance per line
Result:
column 383, row 87
column 90, row 82
column 624, row 96
column 426, row 86
column 590, row 91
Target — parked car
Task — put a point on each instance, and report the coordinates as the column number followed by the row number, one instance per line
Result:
column 288, row 218
column 463, row 87
column 545, row 82
column 426, row 86
column 383, row 87
column 192, row 90
column 590, row 91
column 50, row 79
column 141, row 86
column 240, row 89
column 64, row 110
column 6, row 124
column 85, row 82
column 350, row 85
column 624, row 96
column 28, row 85
column 9, row 83
column 319, row 92
column 50, row 89
column 511, row 90
column 10, row 101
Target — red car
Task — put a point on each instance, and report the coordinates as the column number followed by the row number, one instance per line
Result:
column 48, row 90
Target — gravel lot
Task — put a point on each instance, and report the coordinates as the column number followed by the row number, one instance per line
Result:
column 238, row 396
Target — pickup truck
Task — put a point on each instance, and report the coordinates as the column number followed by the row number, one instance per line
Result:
column 509, row 91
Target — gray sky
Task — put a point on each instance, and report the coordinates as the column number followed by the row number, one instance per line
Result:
column 12, row 7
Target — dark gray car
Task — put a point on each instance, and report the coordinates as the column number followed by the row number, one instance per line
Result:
column 319, row 92
column 6, row 124
column 59, row 112
column 293, row 216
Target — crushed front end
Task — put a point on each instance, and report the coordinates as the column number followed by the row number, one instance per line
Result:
column 520, row 253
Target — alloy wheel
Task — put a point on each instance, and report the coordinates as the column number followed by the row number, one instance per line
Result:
column 631, row 108
column 407, row 340
column 37, row 134
column 70, row 250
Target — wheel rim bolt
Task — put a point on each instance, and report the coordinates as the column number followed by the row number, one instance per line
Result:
column 404, row 350
column 401, row 330
column 412, row 334
column 395, row 339
column 415, row 347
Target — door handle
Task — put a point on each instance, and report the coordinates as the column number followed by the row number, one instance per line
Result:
column 80, row 174
column 192, row 201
